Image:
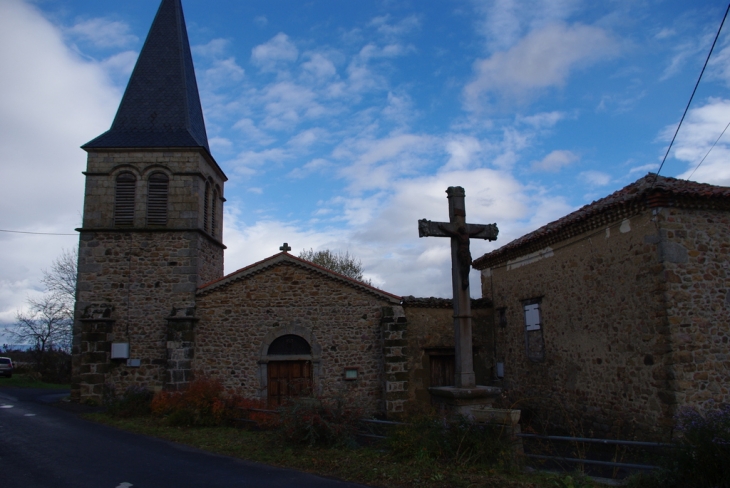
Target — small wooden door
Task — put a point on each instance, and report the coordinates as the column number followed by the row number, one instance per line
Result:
column 442, row 370
column 288, row 379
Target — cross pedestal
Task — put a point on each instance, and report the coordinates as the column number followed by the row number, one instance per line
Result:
column 465, row 392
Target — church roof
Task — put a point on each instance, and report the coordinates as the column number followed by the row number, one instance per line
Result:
column 651, row 191
column 286, row 259
column 161, row 105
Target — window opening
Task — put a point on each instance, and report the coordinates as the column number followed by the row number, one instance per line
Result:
column 157, row 199
column 534, row 340
column 124, row 199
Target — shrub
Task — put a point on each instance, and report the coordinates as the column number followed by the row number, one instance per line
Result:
column 703, row 454
column 253, row 410
column 701, row 457
column 320, row 422
column 134, row 402
column 203, row 404
column 453, row 440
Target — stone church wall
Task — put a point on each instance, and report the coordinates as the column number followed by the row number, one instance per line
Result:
column 138, row 273
column 430, row 331
column 696, row 254
column 342, row 324
column 140, row 276
column 603, row 350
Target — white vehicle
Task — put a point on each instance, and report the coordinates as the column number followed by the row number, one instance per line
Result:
column 6, row 367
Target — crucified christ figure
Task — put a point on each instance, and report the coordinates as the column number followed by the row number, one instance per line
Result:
column 463, row 254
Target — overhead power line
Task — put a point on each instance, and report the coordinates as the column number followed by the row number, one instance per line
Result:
column 692, row 96
column 708, row 151
column 35, row 233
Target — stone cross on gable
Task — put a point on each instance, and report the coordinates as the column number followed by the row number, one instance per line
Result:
column 460, row 232
column 285, row 248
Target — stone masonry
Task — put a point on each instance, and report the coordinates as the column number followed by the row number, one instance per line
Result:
column 141, row 272
column 242, row 314
column 633, row 303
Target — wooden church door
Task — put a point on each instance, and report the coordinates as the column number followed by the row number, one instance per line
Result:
column 289, row 369
column 288, row 379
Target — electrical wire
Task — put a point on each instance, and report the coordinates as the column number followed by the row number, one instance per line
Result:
column 36, row 233
column 708, row 151
column 691, row 97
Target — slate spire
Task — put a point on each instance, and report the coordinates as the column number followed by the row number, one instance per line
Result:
column 161, row 105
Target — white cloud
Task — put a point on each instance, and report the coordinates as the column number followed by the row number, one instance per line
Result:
column 319, row 67
column 504, row 22
column 248, row 127
column 102, row 33
column 261, row 20
column 307, row 138
column 377, row 163
column 247, row 162
column 397, row 29
column 220, row 143
column 543, row 59
column 274, row 52
column 543, row 119
column 463, row 151
column 287, row 103
column 644, row 168
column 223, row 72
column 595, row 178
column 701, row 128
column 313, row 166
column 213, row 49
column 382, row 230
column 555, row 161
column 120, row 64
column 53, row 102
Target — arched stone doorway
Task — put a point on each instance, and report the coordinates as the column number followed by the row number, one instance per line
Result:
column 289, row 369
column 289, row 364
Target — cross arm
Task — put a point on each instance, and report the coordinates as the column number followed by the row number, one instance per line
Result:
column 428, row 228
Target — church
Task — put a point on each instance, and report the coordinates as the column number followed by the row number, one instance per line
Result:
column 154, row 307
column 615, row 314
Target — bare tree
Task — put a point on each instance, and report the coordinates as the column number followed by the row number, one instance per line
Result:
column 60, row 279
column 339, row 262
column 45, row 326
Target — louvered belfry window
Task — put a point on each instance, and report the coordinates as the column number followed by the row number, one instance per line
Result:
column 124, row 200
column 157, row 199
column 206, row 207
column 214, row 210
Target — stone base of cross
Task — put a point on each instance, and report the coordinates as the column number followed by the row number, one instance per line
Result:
column 460, row 232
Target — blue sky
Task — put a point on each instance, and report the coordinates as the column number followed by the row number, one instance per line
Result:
column 341, row 123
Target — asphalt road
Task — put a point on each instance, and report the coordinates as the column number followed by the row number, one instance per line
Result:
column 42, row 445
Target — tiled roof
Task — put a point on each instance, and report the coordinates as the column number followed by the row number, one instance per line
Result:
column 643, row 193
column 286, row 259
column 161, row 105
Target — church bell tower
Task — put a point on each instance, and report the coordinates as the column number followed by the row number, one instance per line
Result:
column 152, row 221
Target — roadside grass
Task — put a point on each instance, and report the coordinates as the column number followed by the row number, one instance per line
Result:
column 368, row 465
column 30, row 381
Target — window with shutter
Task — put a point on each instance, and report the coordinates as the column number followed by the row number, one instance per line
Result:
column 534, row 340
column 157, row 199
column 124, row 193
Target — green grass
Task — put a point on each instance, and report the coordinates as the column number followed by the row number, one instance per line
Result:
column 23, row 381
column 373, row 466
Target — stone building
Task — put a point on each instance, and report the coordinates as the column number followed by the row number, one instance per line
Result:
column 153, row 307
column 617, row 313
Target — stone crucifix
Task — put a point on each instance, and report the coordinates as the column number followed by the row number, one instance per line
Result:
column 460, row 232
